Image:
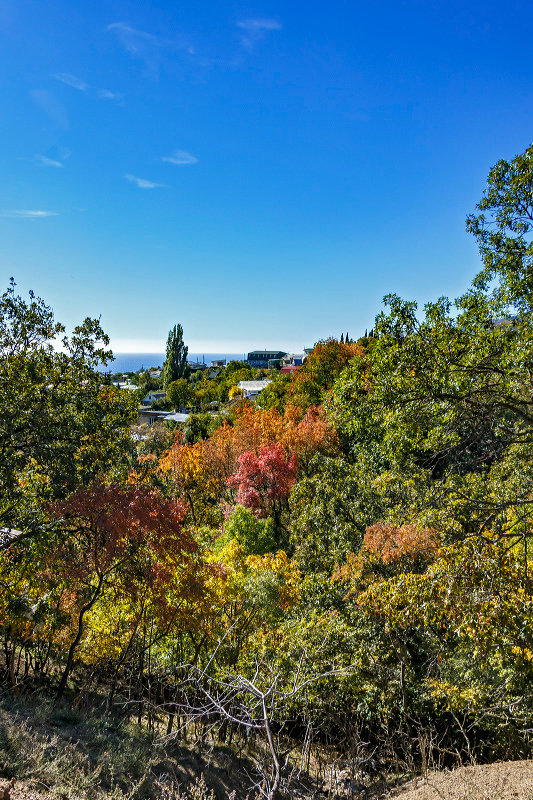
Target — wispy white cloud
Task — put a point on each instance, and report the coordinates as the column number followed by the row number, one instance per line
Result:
column 142, row 183
column 255, row 29
column 48, row 162
column 150, row 48
column 105, row 94
column 60, row 152
column 132, row 39
column 72, row 80
column 180, row 158
column 55, row 157
column 26, row 213
column 82, row 86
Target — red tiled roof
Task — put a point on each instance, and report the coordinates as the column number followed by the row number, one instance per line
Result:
column 290, row 369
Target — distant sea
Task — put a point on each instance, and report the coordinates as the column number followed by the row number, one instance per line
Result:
column 133, row 362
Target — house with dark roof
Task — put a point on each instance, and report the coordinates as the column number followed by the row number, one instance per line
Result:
column 153, row 397
column 265, row 358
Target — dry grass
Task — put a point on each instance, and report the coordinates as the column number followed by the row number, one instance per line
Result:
column 37, row 790
column 509, row 780
column 57, row 754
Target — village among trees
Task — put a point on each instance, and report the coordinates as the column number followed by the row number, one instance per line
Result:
column 327, row 574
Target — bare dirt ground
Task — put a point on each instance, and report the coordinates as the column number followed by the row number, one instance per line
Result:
column 509, row 780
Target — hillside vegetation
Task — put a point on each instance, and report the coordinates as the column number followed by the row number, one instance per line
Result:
column 335, row 587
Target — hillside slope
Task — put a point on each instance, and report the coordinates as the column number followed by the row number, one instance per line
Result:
column 508, row 780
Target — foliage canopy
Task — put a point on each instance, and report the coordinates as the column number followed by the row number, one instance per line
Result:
column 350, row 561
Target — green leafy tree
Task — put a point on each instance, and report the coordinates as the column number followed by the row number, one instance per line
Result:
column 154, row 439
column 243, row 374
column 275, row 394
column 206, row 392
column 445, row 401
column 329, row 512
column 175, row 366
column 235, row 366
column 180, row 393
column 60, row 426
column 147, row 382
column 503, row 230
column 197, row 427
column 322, row 367
column 255, row 535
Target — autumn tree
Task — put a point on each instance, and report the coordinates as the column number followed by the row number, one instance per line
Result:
column 264, row 479
column 317, row 375
column 202, row 471
column 460, row 635
column 113, row 538
column 394, row 544
column 308, row 437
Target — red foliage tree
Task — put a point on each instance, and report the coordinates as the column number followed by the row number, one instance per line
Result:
column 263, row 479
column 120, row 536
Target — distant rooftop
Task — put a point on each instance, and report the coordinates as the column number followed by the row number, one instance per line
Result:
column 265, row 352
column 130, row 387
column 254, row 384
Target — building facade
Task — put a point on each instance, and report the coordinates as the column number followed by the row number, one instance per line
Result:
column 265, row 358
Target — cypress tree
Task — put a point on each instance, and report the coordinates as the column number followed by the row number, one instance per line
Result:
column 176, row 361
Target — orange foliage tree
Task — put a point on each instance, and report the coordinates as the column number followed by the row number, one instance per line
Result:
column 389, row 550
column 391, row 543
column 320, row 370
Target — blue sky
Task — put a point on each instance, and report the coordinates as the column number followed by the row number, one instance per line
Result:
column 261, row 172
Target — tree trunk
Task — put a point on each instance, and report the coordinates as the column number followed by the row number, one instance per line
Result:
column 70, row 658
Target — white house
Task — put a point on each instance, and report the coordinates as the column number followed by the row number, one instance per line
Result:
column 293, row 360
